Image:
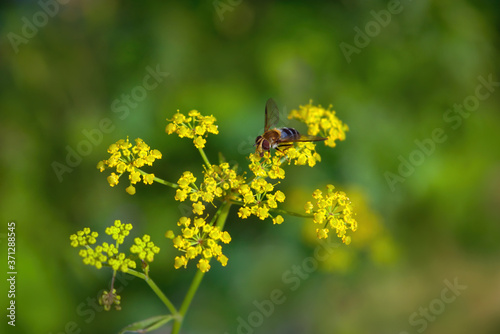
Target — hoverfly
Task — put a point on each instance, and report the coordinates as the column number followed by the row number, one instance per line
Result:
column 278, row 137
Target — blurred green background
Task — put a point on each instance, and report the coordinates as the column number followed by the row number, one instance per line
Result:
column 66, row 67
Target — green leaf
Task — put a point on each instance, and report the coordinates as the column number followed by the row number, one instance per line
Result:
column 148, row 325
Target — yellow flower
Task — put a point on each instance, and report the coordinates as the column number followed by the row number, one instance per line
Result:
column 130, row 189
column 304, row 153
column 322, row 122
column 200, row 130
column 308, row 207
column 113, row 179
column 219, row 181
column 105, row 253
column 196, row 127
column 225, row 237
column 322, row 233
column 180, row 261
column 244, row 212
column 276, row 173
column 280, row 196
column 222, row 259
column 184, row 132
column 199, row 239
column 119, row 231
column 278, row 220
column 127, row 158
column 333, row 211
column 101, row 166
column 199, row 142
column 194, row 113
column 198, row 208
column 148, row 178
column 186, row 179
column 145, row 248
column 262, row 212
column 170, row 128
column 178, row 118
column 180, row 195
column 203, row 265
column 134, row 177
column 83, row 238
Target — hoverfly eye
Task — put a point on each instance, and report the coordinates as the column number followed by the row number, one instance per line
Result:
column 265, row 145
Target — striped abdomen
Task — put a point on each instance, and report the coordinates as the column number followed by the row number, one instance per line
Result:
column 289, row 134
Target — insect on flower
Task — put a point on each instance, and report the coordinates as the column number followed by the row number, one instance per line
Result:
column 278, row 137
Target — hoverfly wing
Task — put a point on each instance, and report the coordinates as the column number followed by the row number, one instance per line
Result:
column 303, row 138
column 272, row 114
column 311, row 138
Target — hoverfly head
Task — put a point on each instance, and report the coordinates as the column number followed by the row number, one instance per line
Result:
column 262, row 145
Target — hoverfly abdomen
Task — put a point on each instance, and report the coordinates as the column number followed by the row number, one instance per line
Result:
column 289, row 134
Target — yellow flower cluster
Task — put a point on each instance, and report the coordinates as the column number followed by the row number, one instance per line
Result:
column 321, row 121
column 128, row 158
column 118, row 231
column 304, row 153
column 333, row 211
column 83, row 238
column 199, row 238
column 195, row 126
column 258, row 199
column 257, row 195
column 267, row 165
column 145, row 248
column 110, row 298
column 218, row 181
column 108, row 254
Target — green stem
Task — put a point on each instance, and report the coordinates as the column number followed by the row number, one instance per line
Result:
column 187, row 300
column 221, row 220
column 204, row 156
column 290, row 213
column 166, row 183
column 224, row 211
column 157, row 179
column 156, row 290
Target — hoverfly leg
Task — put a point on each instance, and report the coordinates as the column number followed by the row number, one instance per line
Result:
column 284, row 146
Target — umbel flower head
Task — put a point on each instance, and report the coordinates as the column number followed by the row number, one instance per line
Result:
column 145, row 248
column 218, row 181
column 128, row 158
column 195, row 126
column 107, row 254
column 332, row 212
column 321, row 121
column 199, row 238
column 258, row 195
